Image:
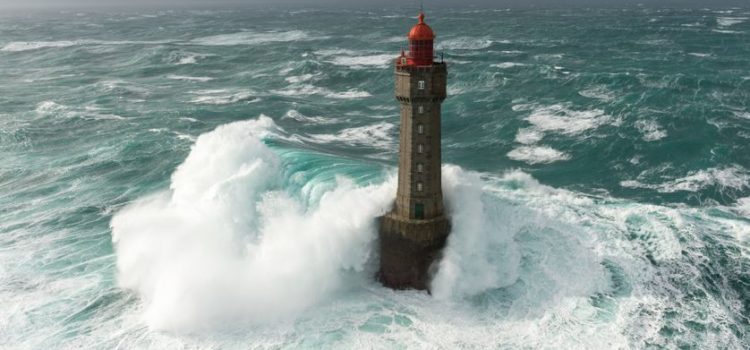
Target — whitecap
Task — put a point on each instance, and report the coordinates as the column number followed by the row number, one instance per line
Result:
column 252, row 38
column 599, row 92
column 743, row 206
column 184, row 58
column 189, row 78
column 742, row 114
column 730, row 21
column 732, row 177
column 559, row 118
column 377, row 135
column 296, row 115
column 528, row 136
column 307, row 89
column 46, row 107
column 18, row 46
column 223, row 96
column 300, row 78
column 192, row 59
column 727, row 31
column 394, row 39
column 349, row 94
column 53, row 109
column 464, row 43
column 700, row 54
column 651, row 130
column 537, row 154
column 508, row 65
column 359, row 62
column 301, row 90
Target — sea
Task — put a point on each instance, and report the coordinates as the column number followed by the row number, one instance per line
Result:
column 209, row 178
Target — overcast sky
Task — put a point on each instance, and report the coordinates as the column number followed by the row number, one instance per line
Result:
column 367, row 3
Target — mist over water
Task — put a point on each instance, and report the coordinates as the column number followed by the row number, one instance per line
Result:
column 211, row 179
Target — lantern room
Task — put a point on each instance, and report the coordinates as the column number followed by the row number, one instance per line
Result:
column 421, row 40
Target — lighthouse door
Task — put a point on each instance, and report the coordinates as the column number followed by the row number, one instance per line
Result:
column 419, row 211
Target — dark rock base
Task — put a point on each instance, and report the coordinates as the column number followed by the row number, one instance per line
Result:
column 410, row 250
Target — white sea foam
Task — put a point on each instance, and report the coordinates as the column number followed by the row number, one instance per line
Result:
column 700, row 54
column 508, row 65
column 537, row 154
column 730, row 21
column 359, row 62
column 377, row 135
column 223, row 96
column 349, row 94
column 192, row 59
column 34, row 45
column 743, row 206
column 732, row 177
column 464, row 43
column 188, row 78
column 300, row 78
column 252, row 38
column 395, row 39
column 651, row 130
column 53, row 109
column 528, row 136
column 742, row 114
column 561, row 119
column 18, row 46
column 46, row 107
column 301, row 90
column 296, row 115
column 599, row 92
column 307, row 90
column 727, row 31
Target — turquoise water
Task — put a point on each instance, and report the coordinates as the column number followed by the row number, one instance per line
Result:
column 210, row 179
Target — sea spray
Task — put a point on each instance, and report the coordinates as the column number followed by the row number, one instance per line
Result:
column 227, row 243
column 480, row 253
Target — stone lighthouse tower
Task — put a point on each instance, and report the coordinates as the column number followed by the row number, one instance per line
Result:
column 413, row 234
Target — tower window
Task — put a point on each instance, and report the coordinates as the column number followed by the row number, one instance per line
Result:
column 420, row 129
column 419, row 211
column 419, row 187
column 420, row 85
column 420, row 167
column 421, row 109
column 420, row 148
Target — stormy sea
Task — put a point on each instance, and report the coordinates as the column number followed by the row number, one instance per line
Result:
column 210, row 179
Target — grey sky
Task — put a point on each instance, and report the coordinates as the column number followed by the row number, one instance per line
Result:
column 368, row 3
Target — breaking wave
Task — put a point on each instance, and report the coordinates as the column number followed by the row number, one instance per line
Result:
column 248, row 233
column 226, row 241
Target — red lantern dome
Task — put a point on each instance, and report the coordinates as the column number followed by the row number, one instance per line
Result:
column 421, row 31
column 421, row 40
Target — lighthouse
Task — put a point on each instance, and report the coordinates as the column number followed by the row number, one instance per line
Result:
column 414, row 232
